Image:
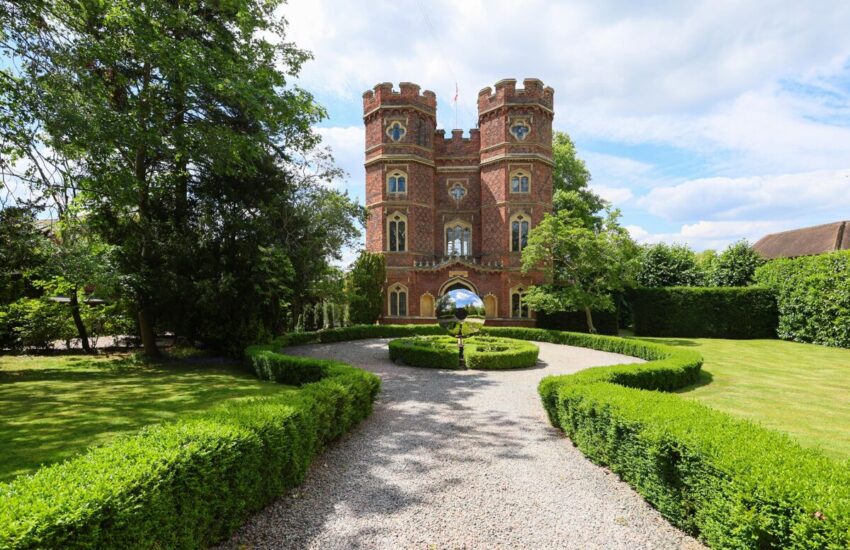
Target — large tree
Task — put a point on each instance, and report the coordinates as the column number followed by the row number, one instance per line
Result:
column 151, row 106
column 584, row 266
column 571, row 184
column 663, row 264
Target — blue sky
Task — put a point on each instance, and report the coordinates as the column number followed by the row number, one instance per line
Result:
column 704, row 122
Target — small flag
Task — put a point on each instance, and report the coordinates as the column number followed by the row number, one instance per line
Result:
column 456, row 94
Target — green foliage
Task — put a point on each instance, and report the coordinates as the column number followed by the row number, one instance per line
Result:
column 21, row 253
column 189, row 483
column 730, row 482
column 670, row 265
column 723, row 312
column 585, row 266
column 175, row 130
column 736, row 266
column 366, row 288
column 605, row 322
column 34, row 323
column 570, row 180
column 433, row 352
column 495, row 353
column 813, row 296
column 480, row 352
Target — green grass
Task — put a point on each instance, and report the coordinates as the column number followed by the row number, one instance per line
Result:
column 53, row 407
column 800, row 389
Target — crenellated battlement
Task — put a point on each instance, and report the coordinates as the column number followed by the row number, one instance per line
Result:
column 408, row 93
column 457, row 144
column 506, row 92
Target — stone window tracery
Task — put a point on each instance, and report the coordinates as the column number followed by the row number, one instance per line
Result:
column 458, row 238
column 397, row 182
column 520, row 129
column 397, row 232
column 396, row 131
column 397, row 300
column 520, row 181
column 520, row 226
column 519, row 309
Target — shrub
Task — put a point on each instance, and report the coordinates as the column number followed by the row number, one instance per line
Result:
column 736, row 266
column 813, row 297
column 493, row 353
column 365, row 284
column 189, row 483
column 730, row 482
column 748, row 312
column 35, row 323
column 665, row 264
column 575, row 321
column 435, row 352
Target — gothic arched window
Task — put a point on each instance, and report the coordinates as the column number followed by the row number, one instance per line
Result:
column 458, row 238
column 397, row 232
column 520, row 226
column 519, row 308
column 397, row 182
column 397, row 300
column 520, row 181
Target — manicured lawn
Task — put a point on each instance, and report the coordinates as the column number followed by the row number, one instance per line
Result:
column 801, row 389
column 52, row 407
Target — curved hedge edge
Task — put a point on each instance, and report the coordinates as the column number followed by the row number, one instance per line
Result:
column 731, row 482
column 430, row 354
column 519, row 354
column 190, row 483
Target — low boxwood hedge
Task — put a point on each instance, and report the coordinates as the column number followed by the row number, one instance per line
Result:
column 494, row 353
column 189, row 483
column 435, row 352
column 730, row 482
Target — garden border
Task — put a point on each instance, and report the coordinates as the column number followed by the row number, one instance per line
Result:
column 726, row 480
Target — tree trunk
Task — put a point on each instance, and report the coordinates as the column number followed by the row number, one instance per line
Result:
column 589, row 316
column 148, row 337
column 78, row 321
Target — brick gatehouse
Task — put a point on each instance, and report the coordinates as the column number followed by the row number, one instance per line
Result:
column 451, row 212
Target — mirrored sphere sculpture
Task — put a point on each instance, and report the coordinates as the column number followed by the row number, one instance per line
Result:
column 460, row 312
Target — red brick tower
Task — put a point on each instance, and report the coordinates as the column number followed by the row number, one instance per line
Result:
column 455, row 212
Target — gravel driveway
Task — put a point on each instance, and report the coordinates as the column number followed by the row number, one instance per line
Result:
column 458, row 459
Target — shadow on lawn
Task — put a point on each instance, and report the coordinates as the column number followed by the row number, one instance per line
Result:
column 705, row 378
column 53, row 413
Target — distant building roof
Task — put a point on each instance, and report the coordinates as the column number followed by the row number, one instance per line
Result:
column 807, row 241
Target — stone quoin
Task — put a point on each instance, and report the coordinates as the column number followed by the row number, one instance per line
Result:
column 452, row 211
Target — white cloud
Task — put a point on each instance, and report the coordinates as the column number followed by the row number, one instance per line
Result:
column 825, row 193
column 700, row 75
column 614, row 195
column 710, row 234
column 347, row 144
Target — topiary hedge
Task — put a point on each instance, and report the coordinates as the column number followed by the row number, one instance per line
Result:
column 493, row 353
column 605, row 322
column 730, row 482
column 813, row 295
column 715, row 312
column 480, row 352
column 188, row 484
column 435, row 352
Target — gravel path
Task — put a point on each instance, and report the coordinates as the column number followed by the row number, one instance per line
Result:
column 458, row 459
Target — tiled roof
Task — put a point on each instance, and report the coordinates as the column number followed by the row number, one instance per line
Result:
column 807, row 241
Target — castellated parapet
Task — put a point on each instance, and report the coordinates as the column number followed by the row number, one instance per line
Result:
column 448, row 210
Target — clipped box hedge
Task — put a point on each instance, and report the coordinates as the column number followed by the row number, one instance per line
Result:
column 494, row 353
column 728, row 481
column 714, row 312
column 434, row 352
column 190, row 483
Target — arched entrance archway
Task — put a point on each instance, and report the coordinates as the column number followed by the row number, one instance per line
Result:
column 455, row 283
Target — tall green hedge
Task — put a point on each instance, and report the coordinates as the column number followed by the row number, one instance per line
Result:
column 715, row 312
column 813, row 295
column 189, row 483
column 605, row 322
column 728, row 481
